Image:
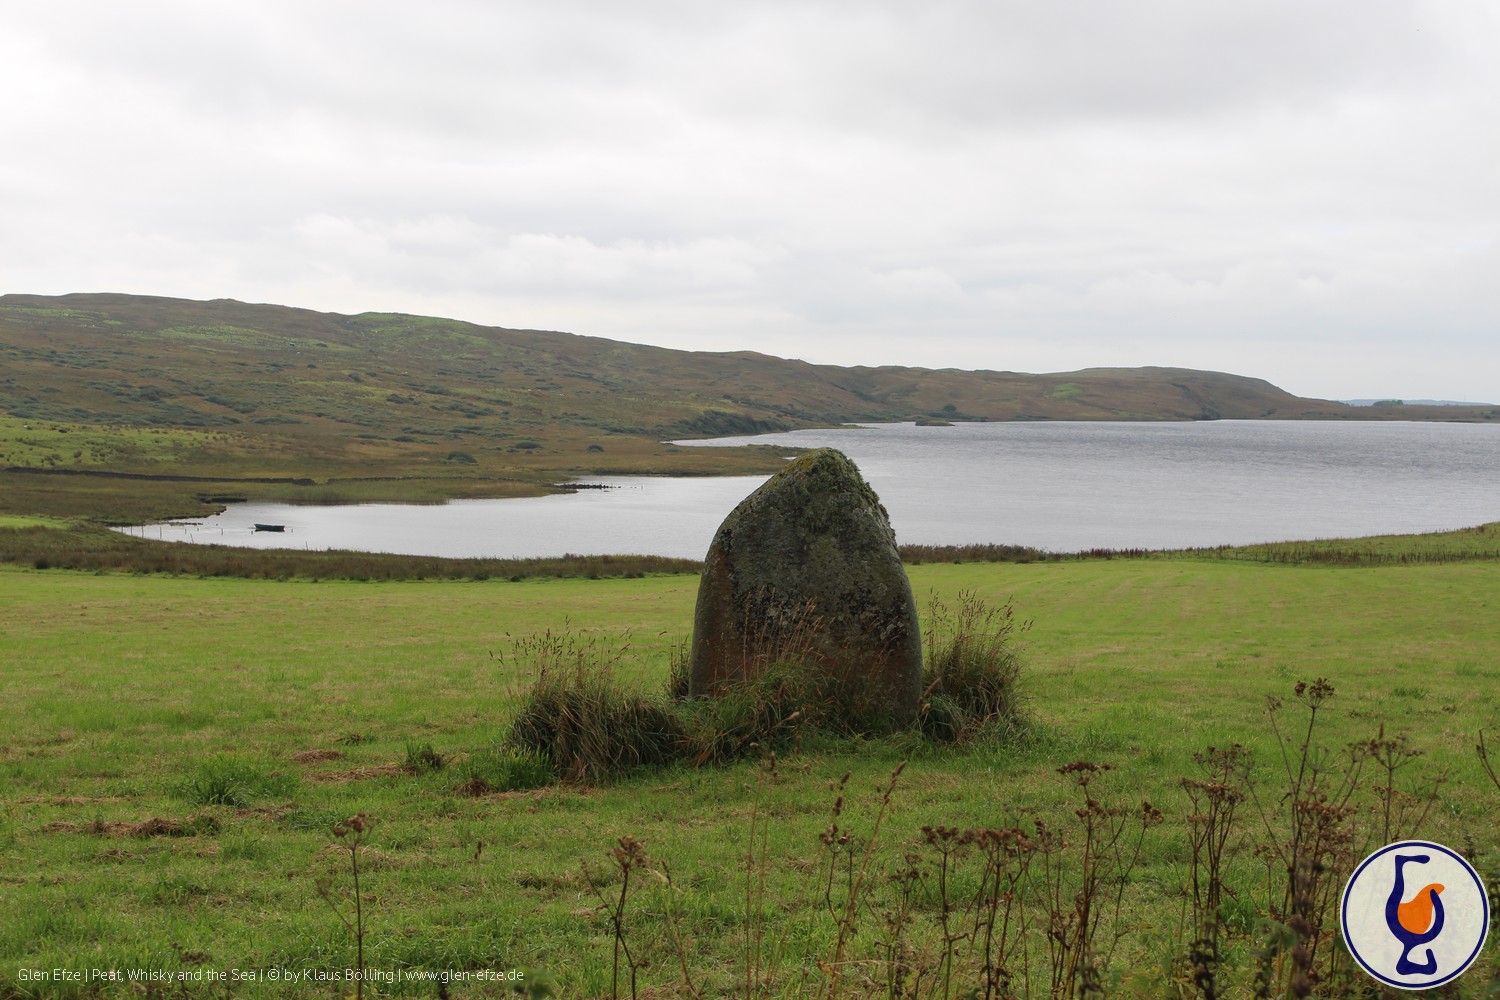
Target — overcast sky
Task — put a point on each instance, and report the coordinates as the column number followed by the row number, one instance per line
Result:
column 1307, row 192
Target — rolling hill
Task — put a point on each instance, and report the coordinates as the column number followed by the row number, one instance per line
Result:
column 236, row 392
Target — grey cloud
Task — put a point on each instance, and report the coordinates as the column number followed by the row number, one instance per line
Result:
column 1255, row 186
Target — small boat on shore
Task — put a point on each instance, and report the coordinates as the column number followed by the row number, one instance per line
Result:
column 269, row 527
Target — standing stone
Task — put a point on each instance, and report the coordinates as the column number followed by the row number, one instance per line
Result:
column 806, row 570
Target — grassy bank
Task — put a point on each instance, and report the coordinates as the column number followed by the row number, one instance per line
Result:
column 39, row 544
column 131, row 699
column 124, row 473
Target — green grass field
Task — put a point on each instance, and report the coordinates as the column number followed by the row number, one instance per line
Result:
column 127, row 695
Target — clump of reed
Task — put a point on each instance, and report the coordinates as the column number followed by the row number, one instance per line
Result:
column 582, row 720
column 972, row 670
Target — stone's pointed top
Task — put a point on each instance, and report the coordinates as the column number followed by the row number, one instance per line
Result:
column 829, row 461
column 817, row 493
column 809, row 560
column 827, row 469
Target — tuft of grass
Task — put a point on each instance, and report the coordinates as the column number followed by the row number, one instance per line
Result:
column 421, row 758
column 580, row 718
column 504, row 769
column 230, row 780
column 972, row 670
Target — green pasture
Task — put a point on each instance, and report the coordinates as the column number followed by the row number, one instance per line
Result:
column 11, row 521
column 46, row 444
column 125, row 693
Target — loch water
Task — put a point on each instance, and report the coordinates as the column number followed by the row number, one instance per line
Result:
column 1056, row 486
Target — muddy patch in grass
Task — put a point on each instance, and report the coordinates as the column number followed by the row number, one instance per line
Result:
column 478, row 788
column 195, row 826
column 317, row 756
column 358, row 773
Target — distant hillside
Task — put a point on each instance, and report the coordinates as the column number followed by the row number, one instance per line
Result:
column 292, row 393
column 172, row 362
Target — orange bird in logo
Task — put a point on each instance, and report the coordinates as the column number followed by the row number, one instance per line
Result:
column 1416, row 921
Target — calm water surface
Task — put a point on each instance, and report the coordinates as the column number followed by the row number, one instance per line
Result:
column 1057, row 486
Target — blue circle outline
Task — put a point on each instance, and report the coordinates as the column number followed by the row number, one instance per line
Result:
column 1484, row 900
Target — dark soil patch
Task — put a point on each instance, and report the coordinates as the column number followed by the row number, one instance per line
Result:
column 317, row 756
column 201, row 825
column 358, row 773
